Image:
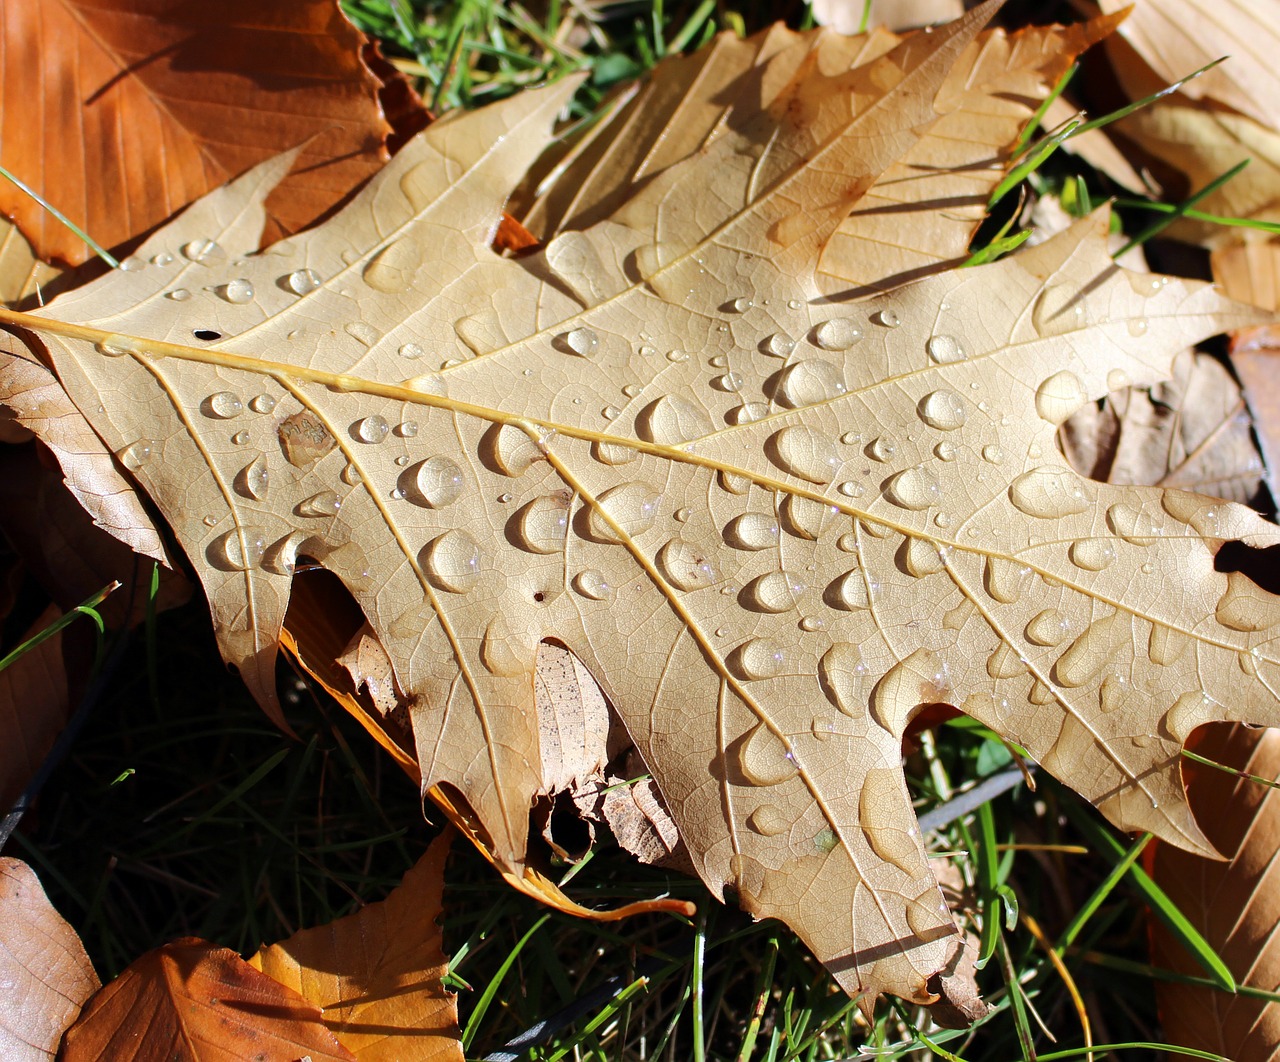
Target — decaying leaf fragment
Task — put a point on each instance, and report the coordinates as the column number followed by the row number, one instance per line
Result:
column 771, row 524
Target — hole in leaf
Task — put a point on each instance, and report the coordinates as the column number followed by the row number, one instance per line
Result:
column 1261, row 565
column 207, row 334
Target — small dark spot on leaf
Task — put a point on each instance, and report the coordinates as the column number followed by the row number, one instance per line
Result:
column 207, row 334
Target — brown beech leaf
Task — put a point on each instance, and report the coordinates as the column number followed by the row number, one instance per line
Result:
column 377, row 975
column 1236, row 904
column 146, row 105
column 192, row 1001
column 34, row 704
column 43, row 965
column 771, row 525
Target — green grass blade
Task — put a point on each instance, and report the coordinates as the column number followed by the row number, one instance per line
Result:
column 1272, row 227
column 93, row 244
column 1028, row 130
column 699, row 962
column 1136, row 1045
column 1146, row 101
column 1165, row 220
column 1231, row 770
column 1020, row 1020
column 612, row 1007
column 1090, row 907
column 87, row 607
column 1159, row 973
column 1028, row 166
column 495, row 982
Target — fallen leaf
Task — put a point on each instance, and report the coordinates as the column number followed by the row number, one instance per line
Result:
column 1234, row 904
column 34, row 706
column 377, row 975
column 22, row 274
column 140, row 117
column 792, row 521
column 43, row 965
column 1255, row 356
column 849, row 16
column 191, row 1001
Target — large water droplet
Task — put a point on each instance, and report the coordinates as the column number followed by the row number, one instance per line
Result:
column 1166, row 645
column 840, row 333
column 686, row 566
column 767, row 820
column 302, row 281
column 510, row 450
column 772, row 592
column 434, row 483
column 913, row 488
column 1088, row 654
column 843, row 675
column 392, row 269
column 372, row 429
column 1092, row 554
column 1048, row 493
column 1118, row 380
column 805, row 383
column 262, row 403
column 882, row 802
column 593, row 585
column 542, row 524
column 803, row 452
column 1005, row 662
column 632, row 507
column 921, row 557
column 1133, row 525
column 1048, row 627
column 411, row 351
column 747, row 413
column 452, row 562
column 581, row 341
column 201, row 250
column 804, row 517
column 238, row 291
column 764, row 759
column 944, row 349
column 326, row 503
column 850, row 592
column 1059, row 309
column 1059, row 396
column 730, row 382
column 882, row 449
column 503, row 651
column 223, row 405
column 752, row 531
column 756, row 659
column 887, row 318
column 178, row 294
column 1246, row 606
column 1004, row 579
column 136, row 454
column 237, row 550
column 672, row 419
column 944, row 410
column 254, row 479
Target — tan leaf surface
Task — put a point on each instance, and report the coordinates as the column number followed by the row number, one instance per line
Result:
column 1255, row 356
column 118, row 109
column 1177, row 37
column 771, row 531
column 377, row 975
column 1236, row 904
column 43, row 965
column 191, row 1001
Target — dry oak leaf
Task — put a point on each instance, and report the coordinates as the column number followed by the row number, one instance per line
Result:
column 377, row 974
column 769, row 524
column 192, row 1001
column 43, row 965
column 144, row 105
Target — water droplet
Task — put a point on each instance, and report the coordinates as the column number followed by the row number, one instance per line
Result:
column 1137, row 326
column 921, row 557
column 407, row 429
column 850, row 592
column 362, row 333
column 503, row 651
column 882, row 802
column 686, row 566
column 237, row 550
column 804, row 517
column 372, row 429
column 115, row 346
column 1048, row 627
column 763, row 757
column 672, row 419
column 913, row 488
column 223, row 405
column 254, row 479
column 133, row 264
column 632, row 507
column 582, row 341
column 178, row 294
column 542, row 524
column 945, row 350
column 1059, row 309
column 611, row 412
column 209, row 521
column 747, row 413
column 805, row 453
column 326, row 503
column 593, row 585
column 767, row 820
column 742, row 304
column 813, row 623
column 434, row 483
column 840, row 333
column 391, row 269
column 1118, row 380
column 240, row 438
column 1087, row 655
column 302, row 281
column 805, row 383
column 162, row 259
column 677, row 355
column 752, row 531
column 136, row 454
column 1059, row 396
column 238, row 291
column 1005, row 580
column 1092, row 554
column 851, row 490
column 201, row 250
column 350, row 475
column 1113, row 691
column 778, row 345
column 683, row 514
column 887, row 318
column 730, row 382
column 1166, row 645
column 262, row 403
column 1005, row 662
column 882, row 449
column 944, row 410
column 992, row 454
column 758, row 658
column 510, row 450
column 1133, row 525
column 772, row 592
column 1048, row 493
column 945, row 451
column 452, row 562
column 843, row 675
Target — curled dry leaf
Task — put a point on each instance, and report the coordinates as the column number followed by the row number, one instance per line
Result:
column 377, row 975
column 771, row 525
column 43, row 965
